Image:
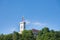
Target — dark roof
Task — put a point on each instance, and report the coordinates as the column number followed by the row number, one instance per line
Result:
column 34, row 30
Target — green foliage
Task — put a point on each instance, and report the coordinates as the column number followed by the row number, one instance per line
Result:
column 27, row 35
column 44, row 34
column 45, row 30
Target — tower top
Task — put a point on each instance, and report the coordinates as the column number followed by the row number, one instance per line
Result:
column 23, row 18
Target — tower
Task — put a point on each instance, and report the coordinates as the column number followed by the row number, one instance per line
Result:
column 22, row 25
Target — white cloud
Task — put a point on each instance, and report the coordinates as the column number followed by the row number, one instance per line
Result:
column 35, row 23
column 39, row 24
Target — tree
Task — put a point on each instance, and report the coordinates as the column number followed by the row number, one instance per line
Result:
column 44, row 34
column 39, row 35
column 15, row 36
column 45, row 30
column 1, row 37
column 27, row 35
column 57, row 34
column 8, row 37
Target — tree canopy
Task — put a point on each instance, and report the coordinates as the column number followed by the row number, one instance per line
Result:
column 44, row 34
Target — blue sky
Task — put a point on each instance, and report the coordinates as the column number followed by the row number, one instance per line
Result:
column 37, row 14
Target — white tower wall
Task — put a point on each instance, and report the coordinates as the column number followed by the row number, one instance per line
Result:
column 22, row 27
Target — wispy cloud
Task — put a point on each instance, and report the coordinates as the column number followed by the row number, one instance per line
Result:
column 35, row 23
column 39, row 24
